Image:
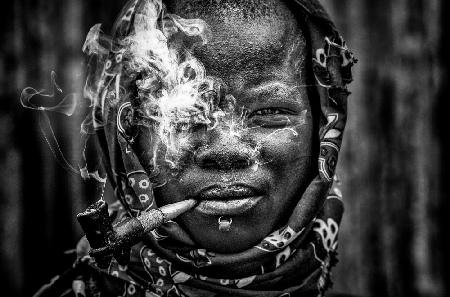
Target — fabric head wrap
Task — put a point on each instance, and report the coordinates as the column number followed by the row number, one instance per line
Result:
column 294, row 260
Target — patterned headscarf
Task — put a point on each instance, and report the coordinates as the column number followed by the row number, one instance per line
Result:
column 292, row 261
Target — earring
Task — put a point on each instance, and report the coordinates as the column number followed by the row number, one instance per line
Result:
column 225, row 224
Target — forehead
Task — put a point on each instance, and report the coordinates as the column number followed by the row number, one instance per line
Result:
column 247, row 46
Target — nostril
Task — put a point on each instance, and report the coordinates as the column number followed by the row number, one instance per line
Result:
column 207, row 163
column 241, row 164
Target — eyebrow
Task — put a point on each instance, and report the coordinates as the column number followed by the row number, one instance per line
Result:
column 275, row 91
column 272, row 87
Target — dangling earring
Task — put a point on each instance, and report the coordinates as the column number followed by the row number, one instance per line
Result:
column 225, row 224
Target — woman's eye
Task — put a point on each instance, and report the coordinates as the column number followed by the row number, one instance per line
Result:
column 270, row 117
column 267, row 111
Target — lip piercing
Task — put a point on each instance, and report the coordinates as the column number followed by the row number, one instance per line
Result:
column 225, row 224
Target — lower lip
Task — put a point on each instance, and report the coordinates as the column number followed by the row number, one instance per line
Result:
column 231, row 207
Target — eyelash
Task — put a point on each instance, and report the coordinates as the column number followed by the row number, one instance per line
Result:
column 268, row 111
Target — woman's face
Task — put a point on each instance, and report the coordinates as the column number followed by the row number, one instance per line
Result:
column 249, row 170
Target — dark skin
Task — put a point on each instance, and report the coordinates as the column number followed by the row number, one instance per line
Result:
column 261, row 62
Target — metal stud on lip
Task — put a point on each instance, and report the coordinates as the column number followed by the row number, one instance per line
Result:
column 224, row 224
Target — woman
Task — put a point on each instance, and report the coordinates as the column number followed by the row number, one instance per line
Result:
column 231, row 104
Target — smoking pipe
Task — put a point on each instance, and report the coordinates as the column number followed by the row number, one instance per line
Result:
column 108, row 241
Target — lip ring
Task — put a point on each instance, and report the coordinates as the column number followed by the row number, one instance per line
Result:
column 225, row 225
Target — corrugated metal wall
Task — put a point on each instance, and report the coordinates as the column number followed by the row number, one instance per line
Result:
column 393, row 235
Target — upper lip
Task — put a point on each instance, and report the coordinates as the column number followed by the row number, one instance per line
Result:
column 227, row 192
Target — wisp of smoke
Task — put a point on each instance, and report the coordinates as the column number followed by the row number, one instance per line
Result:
column 170, row 89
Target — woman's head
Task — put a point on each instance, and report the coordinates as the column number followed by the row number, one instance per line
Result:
column 254, row 164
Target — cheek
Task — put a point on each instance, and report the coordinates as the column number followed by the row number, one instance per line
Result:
column 288, row 145
column 288, row 155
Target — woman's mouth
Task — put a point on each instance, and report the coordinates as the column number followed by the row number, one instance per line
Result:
column 227, row 200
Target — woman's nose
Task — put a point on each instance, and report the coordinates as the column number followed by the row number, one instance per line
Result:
column 225, row 152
